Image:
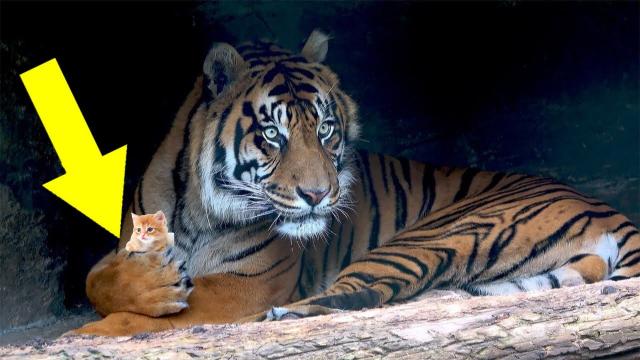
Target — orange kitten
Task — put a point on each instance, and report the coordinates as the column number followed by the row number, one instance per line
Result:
column 150, row 233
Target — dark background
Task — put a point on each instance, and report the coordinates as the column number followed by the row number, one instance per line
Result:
column 542, row 88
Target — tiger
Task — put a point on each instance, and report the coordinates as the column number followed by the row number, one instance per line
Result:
column 277, row 215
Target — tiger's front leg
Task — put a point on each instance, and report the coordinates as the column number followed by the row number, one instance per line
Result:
column 152, row 284
column 216, row 299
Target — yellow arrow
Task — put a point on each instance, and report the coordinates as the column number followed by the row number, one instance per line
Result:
column 93, row 183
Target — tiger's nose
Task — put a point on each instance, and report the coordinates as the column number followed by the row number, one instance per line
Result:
column 312, row 196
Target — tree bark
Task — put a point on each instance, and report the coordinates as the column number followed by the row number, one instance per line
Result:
column 589, row 321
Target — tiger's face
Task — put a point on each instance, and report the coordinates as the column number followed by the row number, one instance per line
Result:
column 281, row 131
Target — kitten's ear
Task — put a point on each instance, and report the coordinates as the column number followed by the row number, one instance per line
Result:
column 316, row 47
column 134, row 216
column 160, row 217
column 221, row 67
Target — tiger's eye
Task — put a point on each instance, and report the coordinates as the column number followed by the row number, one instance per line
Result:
column 325, row 129
column 270, row 133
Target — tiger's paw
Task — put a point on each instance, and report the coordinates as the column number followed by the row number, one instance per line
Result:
column 172, row 287
column 282, row 313
column 292, row 312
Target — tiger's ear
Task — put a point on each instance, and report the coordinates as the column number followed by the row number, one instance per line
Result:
column 316, row 47
column 221, row 67
column 159, row 216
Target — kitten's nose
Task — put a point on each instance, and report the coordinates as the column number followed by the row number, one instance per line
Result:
column 312, row 196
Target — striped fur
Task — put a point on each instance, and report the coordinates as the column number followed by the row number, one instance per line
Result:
column 386, row 229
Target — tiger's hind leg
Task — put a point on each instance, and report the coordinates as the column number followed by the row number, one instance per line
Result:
column 584, row 268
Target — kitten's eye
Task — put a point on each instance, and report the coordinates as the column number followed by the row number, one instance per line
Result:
column 138, row 230
column 149, row 229
column 270, row 132
column 325, row 129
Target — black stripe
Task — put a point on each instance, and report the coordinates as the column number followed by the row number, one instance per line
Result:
column 622, row 242
column 472, row 290
column 346, row 260
column 494, row 181
column 364, row 277
column 271, row 74
column 308, row 74
column 220, row 153
column 304, row 87
column 249, row 89
column 338, row 241
column 301, row 289
column 577, row 258
column 394, row 286
column 273, row 266
column 631, row 262
column 397, row 266
column 619, row 277
column 249, row 251
column 518, row 285
column 622, row 226
column 180, row 175
column 501, row 241
column 443, row 266
column 401, row 200
column 423, row 267
column 375, row 221
column 628, row 255
column 258, row 62
column 247, row 110
column 406, row 170
column 293, row 263
column 325, row 257
column 383, row 170
column 365, row 298
column 539, row 205
column 349, row 285
column 428, row 190
column 553, row 281
column 473, row 255
column 279, row 90
column 519, row 179
column 465, row 183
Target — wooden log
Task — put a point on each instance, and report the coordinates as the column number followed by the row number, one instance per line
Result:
column 589, row 321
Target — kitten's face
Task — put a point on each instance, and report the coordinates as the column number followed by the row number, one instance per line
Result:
column 150, row 227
